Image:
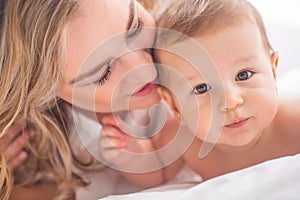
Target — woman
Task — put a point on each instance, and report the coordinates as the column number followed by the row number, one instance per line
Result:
column 43, row 46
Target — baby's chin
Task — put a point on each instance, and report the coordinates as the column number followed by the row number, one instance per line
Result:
column 239, row 144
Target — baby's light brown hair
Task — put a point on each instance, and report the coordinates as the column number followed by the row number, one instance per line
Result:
column 199, row 17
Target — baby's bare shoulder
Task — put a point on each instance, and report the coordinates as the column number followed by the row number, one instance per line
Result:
column 287, row 120
column 288, row 111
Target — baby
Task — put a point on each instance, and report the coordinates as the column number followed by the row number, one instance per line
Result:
column 257, row 124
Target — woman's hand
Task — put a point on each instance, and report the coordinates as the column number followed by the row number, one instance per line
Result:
column 117, row 147
column 12, row 145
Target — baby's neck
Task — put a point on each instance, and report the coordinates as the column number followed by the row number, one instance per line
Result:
column 255, row 146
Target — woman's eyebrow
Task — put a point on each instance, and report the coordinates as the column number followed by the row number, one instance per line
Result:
column 131, row 14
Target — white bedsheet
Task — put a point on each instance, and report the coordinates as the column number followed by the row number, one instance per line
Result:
column 277, row 179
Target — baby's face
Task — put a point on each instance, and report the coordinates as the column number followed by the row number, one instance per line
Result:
column 247, row 97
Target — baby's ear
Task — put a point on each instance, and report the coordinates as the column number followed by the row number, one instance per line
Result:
column 170, row 99
column 274, row 62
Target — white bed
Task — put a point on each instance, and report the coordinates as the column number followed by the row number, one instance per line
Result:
column 277, row 179
column 272, row 180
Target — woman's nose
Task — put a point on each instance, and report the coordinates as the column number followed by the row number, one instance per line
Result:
column 140, row 65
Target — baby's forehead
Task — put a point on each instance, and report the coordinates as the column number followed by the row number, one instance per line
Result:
column 174, row 66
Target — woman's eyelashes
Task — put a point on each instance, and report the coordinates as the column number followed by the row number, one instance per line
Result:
column 244, row 75
column 105, row 76
column 138, row 28
column 201, row 88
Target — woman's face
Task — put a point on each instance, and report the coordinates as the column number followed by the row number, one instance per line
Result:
column 108, row 66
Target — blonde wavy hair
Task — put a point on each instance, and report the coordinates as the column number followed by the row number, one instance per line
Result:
column 31, row 57
column 149, row 4
column 6, row 184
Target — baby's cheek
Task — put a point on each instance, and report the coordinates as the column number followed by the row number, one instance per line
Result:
column 203, row 125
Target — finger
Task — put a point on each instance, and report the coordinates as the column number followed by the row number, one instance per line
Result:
column 108, row 119
column 16, row 146
column 109, row 149
column 111, row 143
column 112, row 137
column 111, row 155
column 117, row 122
column 125, row 127
column 110, row 131
column 10, row 135
column 18, row 160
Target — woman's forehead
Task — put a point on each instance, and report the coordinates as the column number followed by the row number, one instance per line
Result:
column 106, row 14
column 95, row 22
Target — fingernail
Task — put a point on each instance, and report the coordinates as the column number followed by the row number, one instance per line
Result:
column 23, row 155
column 104, row 120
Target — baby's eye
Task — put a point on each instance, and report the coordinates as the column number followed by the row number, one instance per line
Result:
column 244, row 75
column 202, row 88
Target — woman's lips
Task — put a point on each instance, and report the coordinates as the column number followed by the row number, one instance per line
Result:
column 238, row 123
column 147, row 89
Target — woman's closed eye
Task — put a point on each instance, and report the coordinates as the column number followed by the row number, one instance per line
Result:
column 244, row 75
column 105, row 76
column 201, row 88
column 138, row 28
